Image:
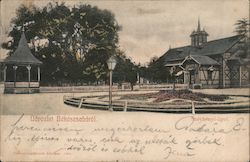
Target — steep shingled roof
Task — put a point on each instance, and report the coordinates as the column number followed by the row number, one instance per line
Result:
column 203, row 60
column 22, row 55
column 218, row 46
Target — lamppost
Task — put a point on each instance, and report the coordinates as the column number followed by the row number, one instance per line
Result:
column 111, row 66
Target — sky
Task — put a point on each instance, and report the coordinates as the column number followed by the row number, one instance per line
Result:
column 151, row 27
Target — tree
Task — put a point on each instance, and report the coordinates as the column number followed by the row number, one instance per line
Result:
column 125, row 70
column 79, row 40
column 156, row 71
column 242, row 29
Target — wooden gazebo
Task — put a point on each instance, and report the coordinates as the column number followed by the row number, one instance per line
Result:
column 21, row 70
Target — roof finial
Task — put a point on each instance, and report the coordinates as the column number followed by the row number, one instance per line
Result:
column 199, row 25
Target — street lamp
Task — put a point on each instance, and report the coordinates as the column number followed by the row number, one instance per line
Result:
column 111, row 66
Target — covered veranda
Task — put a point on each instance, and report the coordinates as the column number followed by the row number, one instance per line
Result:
column 196, row 71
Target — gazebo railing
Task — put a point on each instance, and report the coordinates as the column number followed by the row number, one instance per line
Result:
column 21, row 85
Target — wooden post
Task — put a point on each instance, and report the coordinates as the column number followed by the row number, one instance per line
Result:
column 38, row 74
column 223, row 73
column 80, row 104
column 193, row 108
column 4, row 73
column 15, row 68
column 240, row 76
column 28, row 67
column 125, row 106
column 194, row 77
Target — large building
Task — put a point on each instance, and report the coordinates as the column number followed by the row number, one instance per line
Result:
column 209, row 64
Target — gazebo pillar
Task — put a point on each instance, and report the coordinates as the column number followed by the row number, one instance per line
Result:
column 15, row 68
column 38, row 74
column 4, row 73
column 28, row 67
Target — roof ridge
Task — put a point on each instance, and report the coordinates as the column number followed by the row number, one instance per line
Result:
column 222, row 38
column 206, row 42
column 181, row 47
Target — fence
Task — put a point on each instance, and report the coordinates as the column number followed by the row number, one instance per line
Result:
column 181, row 108
column 115, row 88
column 21, row 84
column 161, row 86
column 76, row 89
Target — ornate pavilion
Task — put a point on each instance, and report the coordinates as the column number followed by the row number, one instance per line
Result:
column 22, row 70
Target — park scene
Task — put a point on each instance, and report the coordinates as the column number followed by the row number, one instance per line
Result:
column 124, row 80
column 71, row 53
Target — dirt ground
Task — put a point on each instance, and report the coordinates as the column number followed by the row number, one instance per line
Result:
column 52, row 103
column 46, row 103
column 228, row 91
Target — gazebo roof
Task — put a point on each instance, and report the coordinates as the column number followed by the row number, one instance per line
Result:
column 22, row 55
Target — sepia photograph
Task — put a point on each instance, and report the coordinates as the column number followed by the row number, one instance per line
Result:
column 125, row 80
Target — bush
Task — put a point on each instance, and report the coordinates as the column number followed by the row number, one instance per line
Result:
column 197, row 86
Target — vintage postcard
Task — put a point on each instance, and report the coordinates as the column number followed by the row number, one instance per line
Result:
column 124, row 80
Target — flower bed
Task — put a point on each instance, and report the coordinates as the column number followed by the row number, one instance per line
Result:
column 165, row 95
